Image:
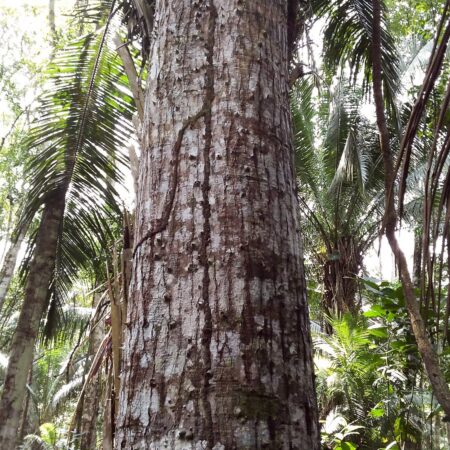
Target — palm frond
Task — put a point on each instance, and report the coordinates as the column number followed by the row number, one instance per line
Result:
column 77, row 144
column 35, row 442
column 303, row 115
column 66, row 391
column 348, row 38
column 338, row 158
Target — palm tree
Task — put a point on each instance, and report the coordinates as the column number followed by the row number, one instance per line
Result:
column 339, row 167
column 360, row 379
column 339, row 170
column 84, row 119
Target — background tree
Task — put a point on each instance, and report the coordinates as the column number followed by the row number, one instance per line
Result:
column 83, row 121
column 339, row 168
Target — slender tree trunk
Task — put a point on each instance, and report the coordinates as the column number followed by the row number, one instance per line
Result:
column 217, row 351
column 10, row 216
column 436, row 436
column 24, row 418
column 51, row 22
column 426, row 350
column 447, row 427
column 107, row 441
column 35, row 303
column 91, row 403
column 9, row 265
column 92, row 394
column 417, row 258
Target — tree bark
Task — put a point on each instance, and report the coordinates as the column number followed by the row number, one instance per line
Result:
column 92, row 394
column 24, row 418
column 35, row 303
column 340, row 277
column 108, row 406
column 51, row 22
column 9, row 265
column 417, row 258
column 447, row 427
column 217, row 351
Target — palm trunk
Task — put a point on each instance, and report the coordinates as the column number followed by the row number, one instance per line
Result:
column 436, row 436
column 217, row 351
column 340, row 278
column 9, row 265
column 24, row 418
column 34, row 305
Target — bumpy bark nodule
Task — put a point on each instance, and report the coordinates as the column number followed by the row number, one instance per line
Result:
column 217, row 351
column 35, row 301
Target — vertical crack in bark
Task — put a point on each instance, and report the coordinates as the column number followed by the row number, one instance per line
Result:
column 159, row 225
column 206, row 235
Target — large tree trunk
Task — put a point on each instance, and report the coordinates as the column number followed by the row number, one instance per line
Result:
column 35, row 302
column 9, row 265
column 217, row 350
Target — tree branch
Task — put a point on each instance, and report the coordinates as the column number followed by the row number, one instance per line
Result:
column 130, row 71
column 426, row 350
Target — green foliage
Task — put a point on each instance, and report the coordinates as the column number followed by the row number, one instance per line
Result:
column 53, row 390
column 77, row 145
column 47, row 439
column 367, row 373
column 416, row 20
column 337, row 158
column 48, row 434
column 340, row 173
column 348, row 41
column 336, row 432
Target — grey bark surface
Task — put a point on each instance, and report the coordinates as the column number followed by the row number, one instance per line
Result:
column 35, row 303
column 217, row 351
column 9, row 265
column 92, row 393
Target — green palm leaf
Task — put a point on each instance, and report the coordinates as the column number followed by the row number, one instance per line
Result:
column 338, row 160
column 77, row 143
column 348, row 40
